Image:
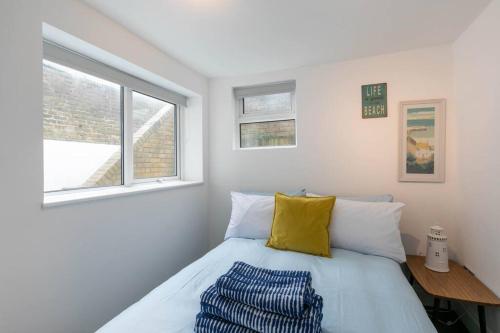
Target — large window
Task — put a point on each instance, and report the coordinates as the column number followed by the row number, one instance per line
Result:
column 103, row 127
column 265, row 115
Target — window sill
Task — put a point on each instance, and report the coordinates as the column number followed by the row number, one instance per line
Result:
column 65, row 198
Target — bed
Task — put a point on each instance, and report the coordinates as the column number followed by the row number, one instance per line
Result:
column 362, row 293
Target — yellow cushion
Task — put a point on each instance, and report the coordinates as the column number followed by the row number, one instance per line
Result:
column 301, row 224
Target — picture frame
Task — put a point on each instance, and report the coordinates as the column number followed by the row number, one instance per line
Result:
column 374, row 100
column 422, row 140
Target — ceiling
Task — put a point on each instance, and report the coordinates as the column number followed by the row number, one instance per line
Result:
column 235, row 37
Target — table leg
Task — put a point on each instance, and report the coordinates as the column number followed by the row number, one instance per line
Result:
column 482, row 318
column 435, row 309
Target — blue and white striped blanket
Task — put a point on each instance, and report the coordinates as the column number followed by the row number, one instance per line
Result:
column 206, row 323
column 259, row 320
column 285, row 292
column 261, row 300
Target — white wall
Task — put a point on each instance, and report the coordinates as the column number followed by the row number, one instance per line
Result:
column 477, row 88
column 338, row 152
column 72, row 268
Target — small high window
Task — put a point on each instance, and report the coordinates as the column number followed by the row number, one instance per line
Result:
column 265, row 115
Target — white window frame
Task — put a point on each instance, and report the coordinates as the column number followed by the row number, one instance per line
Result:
column 68, row 58
column 128, row 145
column 256, row 117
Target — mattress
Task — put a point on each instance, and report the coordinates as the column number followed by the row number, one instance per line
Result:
column 361, row 293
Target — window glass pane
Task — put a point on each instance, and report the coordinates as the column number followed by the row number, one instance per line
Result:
column 81, row 129
column 269, row 133
column 154, row 137
column 268, row 103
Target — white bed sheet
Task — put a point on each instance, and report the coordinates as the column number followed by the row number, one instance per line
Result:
column 361, row 293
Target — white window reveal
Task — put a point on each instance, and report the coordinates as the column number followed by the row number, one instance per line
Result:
column 265, row 115
column 103, row 127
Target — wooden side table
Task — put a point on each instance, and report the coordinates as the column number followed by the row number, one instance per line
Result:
column 459, row 284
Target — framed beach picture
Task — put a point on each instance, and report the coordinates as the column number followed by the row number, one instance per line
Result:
column 422, row 141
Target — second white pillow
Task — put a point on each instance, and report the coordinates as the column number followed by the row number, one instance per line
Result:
column 368, row 227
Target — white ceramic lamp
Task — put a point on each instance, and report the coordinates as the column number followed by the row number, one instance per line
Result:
column 436, row 258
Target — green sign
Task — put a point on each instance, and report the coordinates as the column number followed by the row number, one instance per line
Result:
column 374, row 100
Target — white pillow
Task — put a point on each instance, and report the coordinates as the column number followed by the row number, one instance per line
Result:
column 365, row 227
column 368, row 227
column 251, row 216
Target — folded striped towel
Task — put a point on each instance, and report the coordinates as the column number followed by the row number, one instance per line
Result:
column 259, row 320
column 206, row 323
column 285, row 292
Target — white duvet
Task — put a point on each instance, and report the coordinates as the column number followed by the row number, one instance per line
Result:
column 361, row 293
